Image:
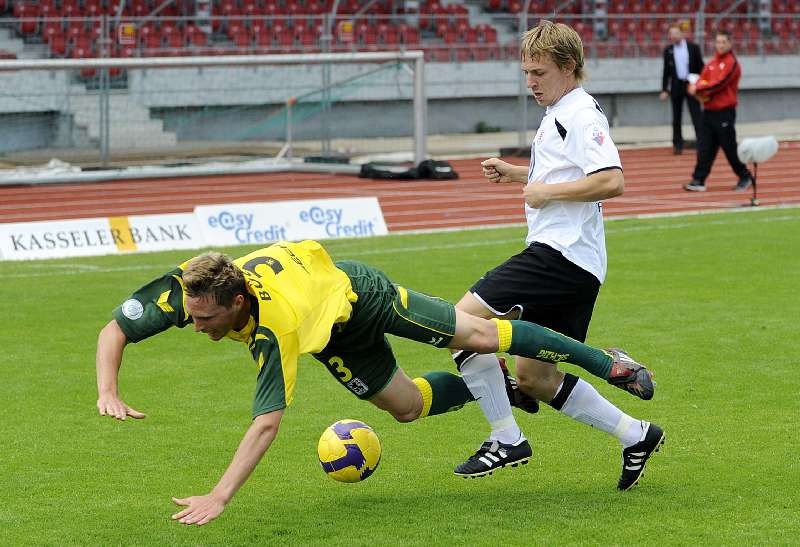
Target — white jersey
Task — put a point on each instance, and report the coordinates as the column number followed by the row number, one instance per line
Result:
column 573, row 141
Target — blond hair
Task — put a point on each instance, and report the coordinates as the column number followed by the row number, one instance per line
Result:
column 558, row 41
column 213, row 274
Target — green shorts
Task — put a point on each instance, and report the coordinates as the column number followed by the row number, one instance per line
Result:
column 358, row 354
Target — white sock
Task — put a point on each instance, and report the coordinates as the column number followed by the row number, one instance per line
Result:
column 586, row 405
column 485, row 380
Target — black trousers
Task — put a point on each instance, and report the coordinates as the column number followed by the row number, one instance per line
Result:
column 677, row 94
column 717, row 129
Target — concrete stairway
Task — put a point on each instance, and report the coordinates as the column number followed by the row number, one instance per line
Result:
column 131, row 126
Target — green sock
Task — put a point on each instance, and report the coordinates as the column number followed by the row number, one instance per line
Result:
column 537, row 342
column 442, row 392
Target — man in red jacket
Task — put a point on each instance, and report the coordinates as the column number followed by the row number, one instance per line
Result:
column 717, row 90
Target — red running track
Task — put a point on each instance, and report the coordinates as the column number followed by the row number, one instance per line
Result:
column 653, row 179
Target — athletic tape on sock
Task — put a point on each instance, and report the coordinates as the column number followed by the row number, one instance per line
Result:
column 426, row 391
column 503, row 334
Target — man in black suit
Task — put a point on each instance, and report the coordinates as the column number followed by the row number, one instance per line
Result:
column 681, row 58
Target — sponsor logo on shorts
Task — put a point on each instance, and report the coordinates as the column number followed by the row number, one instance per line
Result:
column 132, row 309
column 357, row 386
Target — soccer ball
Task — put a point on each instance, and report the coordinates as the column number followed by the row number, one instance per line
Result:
column 349, row 451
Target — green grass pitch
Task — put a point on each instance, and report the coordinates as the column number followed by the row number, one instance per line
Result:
column 710, row 303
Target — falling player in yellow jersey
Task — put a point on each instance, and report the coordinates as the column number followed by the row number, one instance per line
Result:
column 291, row 299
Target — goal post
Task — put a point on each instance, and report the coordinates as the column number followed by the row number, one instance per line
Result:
column 226, row 67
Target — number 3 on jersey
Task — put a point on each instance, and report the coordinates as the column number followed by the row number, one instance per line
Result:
column 337, row 365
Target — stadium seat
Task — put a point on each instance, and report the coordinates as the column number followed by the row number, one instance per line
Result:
column 195, row 37
column 49, row 29
column 262, row 40
column 437, row 54
column 28, row 13
column 57, row 43
column 47, row 9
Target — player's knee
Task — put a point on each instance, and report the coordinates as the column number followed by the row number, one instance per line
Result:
column 409, row 411
column 539, row 382
column 405, row 416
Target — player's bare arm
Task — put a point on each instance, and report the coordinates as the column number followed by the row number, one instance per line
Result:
column 499, row 171
column 110, row 344
column 258, row 438
column 598, row 186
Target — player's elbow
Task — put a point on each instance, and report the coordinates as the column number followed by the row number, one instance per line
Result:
column 112, row 334
column 616, row 183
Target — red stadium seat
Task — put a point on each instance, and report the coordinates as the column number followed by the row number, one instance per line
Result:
column 58, row 44
column 487, row 33
column 47, row 8
column 285, row 39
column 80, row 53
column 28, row 13
column 49, row 29
column 409, row 35
column 195, row 37
column 308, row 39
column 263, row 40
column 470, row 36
column 175, row 41
column 437, row 54
column 386, row 34
column 151, row 43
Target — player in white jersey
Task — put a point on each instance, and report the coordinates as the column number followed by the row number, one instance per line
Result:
column 554, row 281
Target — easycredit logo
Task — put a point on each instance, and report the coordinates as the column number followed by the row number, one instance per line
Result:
column 267, row 222
column 243, row 228
column 332, row 221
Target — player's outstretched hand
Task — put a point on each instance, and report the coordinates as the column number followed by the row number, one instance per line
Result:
column 109, row 405
column 496, row 170
column 199, row 509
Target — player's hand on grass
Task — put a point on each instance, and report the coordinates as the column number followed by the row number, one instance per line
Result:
column 496, row 170
column 536, row 195
column 199, row 509
column 111, row 405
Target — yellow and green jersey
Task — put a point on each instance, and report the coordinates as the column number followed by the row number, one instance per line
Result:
column 297, row 293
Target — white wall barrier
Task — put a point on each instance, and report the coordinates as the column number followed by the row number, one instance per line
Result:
column 99, row 236
column 208, row 226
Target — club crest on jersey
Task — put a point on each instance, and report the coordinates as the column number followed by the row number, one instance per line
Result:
column 598, row 136
column 132, row 309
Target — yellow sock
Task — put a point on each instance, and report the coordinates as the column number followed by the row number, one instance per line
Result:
column 426, row 391
column 503, row 334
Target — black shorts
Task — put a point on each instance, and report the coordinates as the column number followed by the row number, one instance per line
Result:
column 545, row 287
